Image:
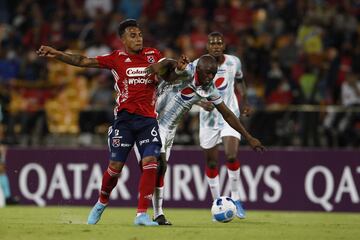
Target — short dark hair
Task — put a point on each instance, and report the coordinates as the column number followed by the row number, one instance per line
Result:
column 125, row 24
column 215, row 34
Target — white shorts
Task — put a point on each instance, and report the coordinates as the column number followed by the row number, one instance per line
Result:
column 210, row 137
column 167, row 139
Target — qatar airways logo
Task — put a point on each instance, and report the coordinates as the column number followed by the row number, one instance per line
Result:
column 136, row 72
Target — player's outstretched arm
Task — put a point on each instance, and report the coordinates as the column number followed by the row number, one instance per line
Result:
column 168, row 69
column 235, row 123
column 161, row 68
column 69, row 58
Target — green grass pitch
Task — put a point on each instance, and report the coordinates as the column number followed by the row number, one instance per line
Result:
column 30, row 223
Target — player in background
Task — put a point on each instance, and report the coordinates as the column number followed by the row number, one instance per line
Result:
column 214, row 129
column 135, row 117
column 195, row 84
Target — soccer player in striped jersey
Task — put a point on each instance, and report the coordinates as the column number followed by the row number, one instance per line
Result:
column 195, row 84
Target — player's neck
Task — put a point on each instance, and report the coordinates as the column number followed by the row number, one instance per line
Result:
column 129, row 51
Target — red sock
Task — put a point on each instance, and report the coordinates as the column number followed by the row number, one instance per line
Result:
column 211, row 172
column 109, row 181
column 147, row 185
column 233, row 166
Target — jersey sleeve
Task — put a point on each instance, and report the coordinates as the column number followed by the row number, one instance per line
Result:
column 190, row 69
column 107, row 60
column 159, row 56
column 238, row 72
column 215, row 97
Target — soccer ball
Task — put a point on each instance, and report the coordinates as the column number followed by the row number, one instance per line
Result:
column 223, row 209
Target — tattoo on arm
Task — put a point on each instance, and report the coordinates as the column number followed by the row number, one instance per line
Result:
column 78, row 60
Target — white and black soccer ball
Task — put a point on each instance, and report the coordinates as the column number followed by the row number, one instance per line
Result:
column 223, row 209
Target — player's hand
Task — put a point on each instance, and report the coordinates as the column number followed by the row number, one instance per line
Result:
column 182, row 62
column 46, row 51
column 152, row 69
column 246, row 110
column 207, row 106
column 256, row 145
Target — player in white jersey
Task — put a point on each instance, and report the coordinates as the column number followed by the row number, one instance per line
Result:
column 214, row 129
column 195, row 84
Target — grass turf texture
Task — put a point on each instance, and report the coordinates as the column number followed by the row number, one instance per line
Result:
column 117, row 223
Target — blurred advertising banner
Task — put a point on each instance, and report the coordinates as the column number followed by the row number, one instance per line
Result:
column 316, row 180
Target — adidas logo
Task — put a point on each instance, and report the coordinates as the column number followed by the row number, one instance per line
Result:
column 148, row 196
column 128, row 60
column 155, row 139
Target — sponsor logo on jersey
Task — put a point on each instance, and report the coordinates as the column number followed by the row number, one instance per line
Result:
column 127, row 60
column 220, row 71
column 135, row 81
column 220, row 83
column 187, row 93
column 125, row 145
column 144, row 141
column 136, row 72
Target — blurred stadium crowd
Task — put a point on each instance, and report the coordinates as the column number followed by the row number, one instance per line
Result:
column 300, row 59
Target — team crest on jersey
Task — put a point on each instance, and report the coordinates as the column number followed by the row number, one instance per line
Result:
column 187, row 93
column 150, row 59
column 115, row 141
column 220, row 83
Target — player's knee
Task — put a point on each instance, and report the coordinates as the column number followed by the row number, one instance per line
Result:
column 152, row 150
column 116, row 165
column 149, row 159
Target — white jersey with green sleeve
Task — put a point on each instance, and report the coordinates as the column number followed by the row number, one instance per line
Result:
column 224, row 82
column 177, row 99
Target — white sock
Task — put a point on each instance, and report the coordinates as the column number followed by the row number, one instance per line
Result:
column 157, row 201
column 234, row 178
column 214, row 185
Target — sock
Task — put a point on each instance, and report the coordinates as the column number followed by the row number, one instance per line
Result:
column 212, row 176
column 5, row 185
column 158, row 201
column 158, row 197
column 233, row 170
column 109, row 181
column 147, row 185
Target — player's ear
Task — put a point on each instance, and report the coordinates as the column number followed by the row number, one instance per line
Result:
column 122, row 39
column 207, row 46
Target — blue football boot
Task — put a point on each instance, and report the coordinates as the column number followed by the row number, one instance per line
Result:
column 240, row 212
column 144, row 220
column 95, row 213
